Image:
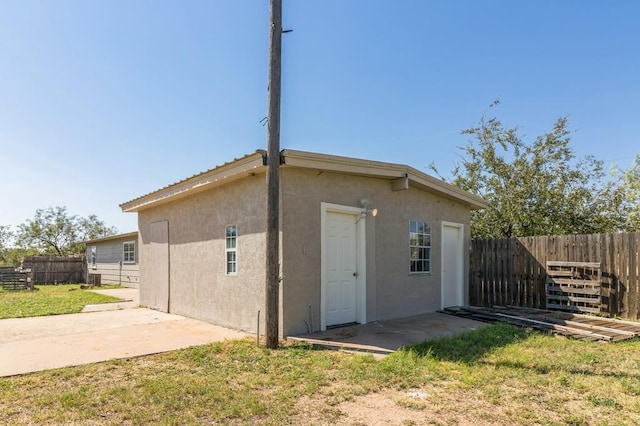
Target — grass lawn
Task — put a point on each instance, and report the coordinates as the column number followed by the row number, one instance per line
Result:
column 48, row 300
column 497, row 375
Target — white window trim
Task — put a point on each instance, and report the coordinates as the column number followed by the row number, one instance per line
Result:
column 430, row 247
column 124, row 252
column 94, row 257
column 229, row 250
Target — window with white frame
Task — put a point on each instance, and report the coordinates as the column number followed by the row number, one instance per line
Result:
column 94, row 255
column 419, row 247
column 129, row 252
column 231, row 243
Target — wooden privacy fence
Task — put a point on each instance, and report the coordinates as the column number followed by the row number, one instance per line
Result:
column 512, row 271
column 55, row 269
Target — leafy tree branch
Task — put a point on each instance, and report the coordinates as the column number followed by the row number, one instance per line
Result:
column 538, row 187
column 54, row 231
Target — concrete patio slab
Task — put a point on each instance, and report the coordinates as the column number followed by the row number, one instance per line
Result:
column 42, row 343
column 130, row 299
column 384, row 337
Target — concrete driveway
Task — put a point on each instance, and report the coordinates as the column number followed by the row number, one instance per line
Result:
column 111, row 331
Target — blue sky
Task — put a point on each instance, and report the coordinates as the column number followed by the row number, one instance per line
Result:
column 103, row 101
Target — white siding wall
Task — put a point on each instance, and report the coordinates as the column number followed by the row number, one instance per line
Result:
column 110, row 265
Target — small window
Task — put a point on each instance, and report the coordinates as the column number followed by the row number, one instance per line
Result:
column 129, row 252
column 419, row 247
column 231, row 237
column 94, row 256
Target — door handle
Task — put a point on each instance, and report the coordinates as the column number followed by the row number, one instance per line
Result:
column 355, row 274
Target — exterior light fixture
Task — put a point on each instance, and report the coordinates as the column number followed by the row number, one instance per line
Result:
column 366, row 210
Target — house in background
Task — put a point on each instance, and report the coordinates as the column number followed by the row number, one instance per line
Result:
column 113, row 260
column 203, row 239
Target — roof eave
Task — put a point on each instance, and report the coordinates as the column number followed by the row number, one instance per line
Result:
column 225, row 173
column 446, row 190
column 379, row 169
column 113, row 237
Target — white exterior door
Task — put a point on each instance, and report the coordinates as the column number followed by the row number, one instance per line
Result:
column 452, row 265
column 341, row 273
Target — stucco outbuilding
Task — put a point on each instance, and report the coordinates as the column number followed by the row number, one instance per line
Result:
column 202, row 243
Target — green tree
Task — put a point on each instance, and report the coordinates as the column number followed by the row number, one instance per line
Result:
column 54, row 231
column 627, row 195
column 5, row 241
column 90, row 228
column 5, row 236
column 14, row 256
column 535, row 188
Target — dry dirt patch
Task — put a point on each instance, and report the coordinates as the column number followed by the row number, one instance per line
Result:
column 429, row 405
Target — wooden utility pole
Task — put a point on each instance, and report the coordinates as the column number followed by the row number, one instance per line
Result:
column 273, row 177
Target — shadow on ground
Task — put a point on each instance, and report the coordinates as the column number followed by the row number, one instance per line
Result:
column 470, row 346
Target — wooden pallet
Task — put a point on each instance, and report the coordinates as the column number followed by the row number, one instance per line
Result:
column 573, row 286
column 583, row 327
column 12, row 280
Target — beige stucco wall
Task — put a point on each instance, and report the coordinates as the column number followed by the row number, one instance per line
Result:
column 198, row 285
column 200, row 289
column 391, row 291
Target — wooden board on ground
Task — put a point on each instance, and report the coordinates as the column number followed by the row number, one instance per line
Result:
column 578, row 326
